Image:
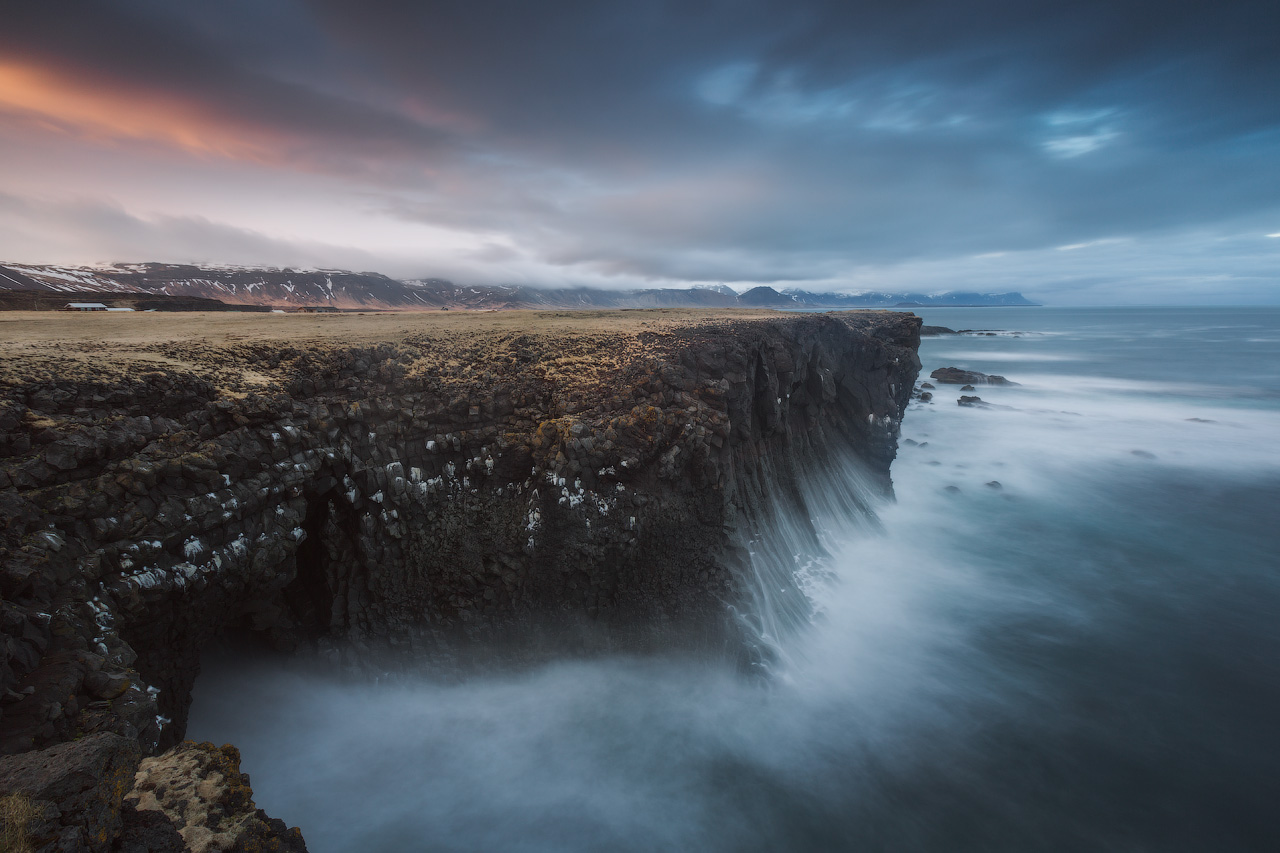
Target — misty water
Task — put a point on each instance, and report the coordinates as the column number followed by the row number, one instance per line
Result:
column 1086, row 657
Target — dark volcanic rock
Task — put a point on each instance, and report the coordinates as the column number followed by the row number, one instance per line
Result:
column 956, row 376
column 970, row 401
column 935, row 331
column 98, row 794
column 199, row 791
column 371, row 503
column 145, row 831
column 364, row 501
column 76, row 789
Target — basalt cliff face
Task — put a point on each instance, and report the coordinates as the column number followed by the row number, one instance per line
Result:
column 385, row 488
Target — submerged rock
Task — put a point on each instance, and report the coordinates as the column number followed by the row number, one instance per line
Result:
column 970, row 401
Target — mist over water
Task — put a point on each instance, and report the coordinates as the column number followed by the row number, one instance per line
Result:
column 1086, row 657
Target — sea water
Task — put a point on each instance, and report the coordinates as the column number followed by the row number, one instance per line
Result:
column 1063, row 634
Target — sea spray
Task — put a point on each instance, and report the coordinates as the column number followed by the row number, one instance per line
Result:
column 790, row 549
column 1072, row 647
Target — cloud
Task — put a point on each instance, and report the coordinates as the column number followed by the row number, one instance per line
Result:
column 1221, row 265
column 627, row 142
column 1106, row 241
column 113, row 74
column 90, row 231
column 1076, row 146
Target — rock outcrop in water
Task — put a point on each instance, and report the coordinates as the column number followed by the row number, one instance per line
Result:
column 956, row 376
column 384, row 499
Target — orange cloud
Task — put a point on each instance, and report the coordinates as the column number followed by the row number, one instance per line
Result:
column 100, row 113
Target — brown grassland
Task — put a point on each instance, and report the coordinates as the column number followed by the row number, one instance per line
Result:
column 227, row 348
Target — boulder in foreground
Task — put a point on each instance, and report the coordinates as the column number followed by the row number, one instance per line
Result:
column 200, row 790
column 69, row 796
column 76, row 796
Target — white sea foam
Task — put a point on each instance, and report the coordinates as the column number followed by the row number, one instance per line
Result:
column 995, row 355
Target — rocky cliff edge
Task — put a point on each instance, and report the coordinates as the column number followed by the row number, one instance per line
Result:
column 359, row 486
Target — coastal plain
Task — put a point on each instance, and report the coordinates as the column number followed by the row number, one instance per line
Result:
column 211, row 343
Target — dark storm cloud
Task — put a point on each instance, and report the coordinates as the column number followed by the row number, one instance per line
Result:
column 882, row 130
column 622, row 71
column 237, row 75
column 749, row 141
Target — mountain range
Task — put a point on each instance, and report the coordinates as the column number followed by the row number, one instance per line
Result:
column 188, row 285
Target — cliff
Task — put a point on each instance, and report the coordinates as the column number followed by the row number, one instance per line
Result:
column 388, row 486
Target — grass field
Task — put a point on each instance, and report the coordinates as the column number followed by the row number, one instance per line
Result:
column 217, row 344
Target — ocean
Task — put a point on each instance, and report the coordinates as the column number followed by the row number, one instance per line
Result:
column 1062, row 634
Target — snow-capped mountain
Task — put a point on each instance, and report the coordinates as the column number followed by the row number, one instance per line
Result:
column 232, row 285
column 295, row 288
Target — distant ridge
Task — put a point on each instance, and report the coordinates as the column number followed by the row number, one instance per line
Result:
column 952, row 299
column 233, row 285
column 295, row 288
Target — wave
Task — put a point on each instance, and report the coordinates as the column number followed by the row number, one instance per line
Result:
column 978, row 357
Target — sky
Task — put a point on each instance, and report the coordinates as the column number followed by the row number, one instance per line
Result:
column 1079, row 152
